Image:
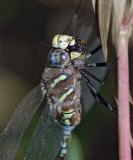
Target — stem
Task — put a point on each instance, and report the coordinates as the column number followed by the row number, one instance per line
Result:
column 123, row 99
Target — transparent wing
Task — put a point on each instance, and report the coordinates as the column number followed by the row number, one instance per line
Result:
column 83, row 24
column 71, row 28
column 12, row 134
column 45, row 142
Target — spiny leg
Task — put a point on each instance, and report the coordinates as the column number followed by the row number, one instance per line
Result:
column 93, row 76
column 96, row 78
column 83, row 65
column 97, row 95
column 93, row 51
column 102, row 64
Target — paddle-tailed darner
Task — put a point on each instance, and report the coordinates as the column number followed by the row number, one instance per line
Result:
column 61, row 82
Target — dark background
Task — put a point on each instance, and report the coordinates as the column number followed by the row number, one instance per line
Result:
column 24, row 27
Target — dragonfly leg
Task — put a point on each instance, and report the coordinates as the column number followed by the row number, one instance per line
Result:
column 96, row 78
column 102, row 64
column 93, row 51
column 93, row 76
column 97, row 95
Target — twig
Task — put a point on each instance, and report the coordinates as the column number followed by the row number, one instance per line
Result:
column 123, row 92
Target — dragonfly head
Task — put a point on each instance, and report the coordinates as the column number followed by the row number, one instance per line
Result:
column 64, row 49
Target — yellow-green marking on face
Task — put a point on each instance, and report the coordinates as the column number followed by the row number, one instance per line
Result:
column 66, row 94
column 62, row 77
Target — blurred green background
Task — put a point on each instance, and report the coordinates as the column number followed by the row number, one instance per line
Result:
column 24, row 27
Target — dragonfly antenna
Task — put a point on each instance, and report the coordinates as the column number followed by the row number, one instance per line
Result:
column 47, row 45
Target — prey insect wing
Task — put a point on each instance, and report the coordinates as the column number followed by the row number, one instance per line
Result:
column 15, row 129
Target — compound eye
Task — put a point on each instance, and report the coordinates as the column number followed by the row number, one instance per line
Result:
column 58, row 57
column 63, row 56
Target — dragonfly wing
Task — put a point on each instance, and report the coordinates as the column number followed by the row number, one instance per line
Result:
column 12, row 134
column 83, row 24
column 45, row 142
column 71, row 28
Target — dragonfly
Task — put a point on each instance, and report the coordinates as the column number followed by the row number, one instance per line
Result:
column 61, row 84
